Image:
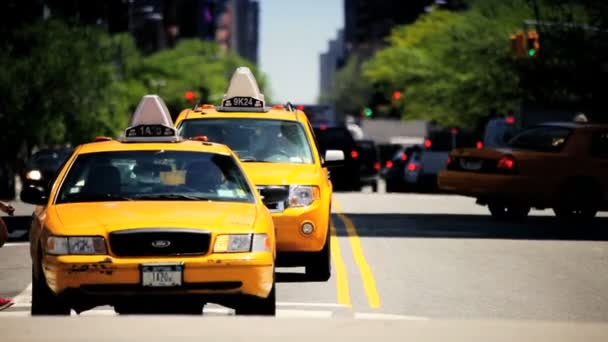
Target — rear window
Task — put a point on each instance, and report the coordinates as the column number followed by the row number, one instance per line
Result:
column 599, row 144
column 544, row 139
column 447, row 141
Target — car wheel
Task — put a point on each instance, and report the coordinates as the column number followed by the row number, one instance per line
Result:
column 319, row 267
column 259, row 306
column 513, row 213
column 44, row 301
column 579, row 202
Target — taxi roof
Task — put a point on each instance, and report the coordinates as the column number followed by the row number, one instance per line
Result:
column 183, row 145
column 211, row 112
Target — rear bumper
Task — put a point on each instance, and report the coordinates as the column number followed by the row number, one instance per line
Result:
column 104, row 276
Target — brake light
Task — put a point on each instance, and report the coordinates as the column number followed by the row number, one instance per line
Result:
column 377, row 166
column 454, row 130
column 479, row 145
column 404, row 156
column 200, row 138
column 389, row 164
column 428, row 143
column 506, row 163
column 449, row 161
column 510, row 119
column 354, row 154
column 412, row 167
column 323, row 127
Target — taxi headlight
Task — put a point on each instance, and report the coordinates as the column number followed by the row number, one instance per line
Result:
column 34, row 175
column 75, row 245
column 238, row 243
column 303, row 195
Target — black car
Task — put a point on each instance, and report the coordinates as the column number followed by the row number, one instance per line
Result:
column 337, row 137
column 7, row 181
column 370, row 163
column 395, row 168
column 42, row 167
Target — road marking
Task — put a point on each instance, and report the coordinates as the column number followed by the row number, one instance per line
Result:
column 319, row 305
column 16, row 244
column 342, row 289
column 381, row 316
column 369, row 282
column 24, row 298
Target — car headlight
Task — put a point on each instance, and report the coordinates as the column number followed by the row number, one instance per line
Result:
column 34, row 175
column 59, row 245
column 303, row 195
column 239, row 243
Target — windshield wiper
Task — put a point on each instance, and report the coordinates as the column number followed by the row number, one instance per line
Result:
column 169, row 197
column 253, row 160
column 104, row 197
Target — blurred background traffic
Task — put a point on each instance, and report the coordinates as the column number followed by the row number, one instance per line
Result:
column 399, row 84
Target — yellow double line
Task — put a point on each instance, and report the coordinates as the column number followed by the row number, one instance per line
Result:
column 369, row 283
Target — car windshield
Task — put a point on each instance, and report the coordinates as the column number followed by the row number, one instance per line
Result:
column 49, row 159
column 338, row 138
column 255, row 140
column 154, row 175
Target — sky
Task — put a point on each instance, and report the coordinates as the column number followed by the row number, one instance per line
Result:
column 293, row 33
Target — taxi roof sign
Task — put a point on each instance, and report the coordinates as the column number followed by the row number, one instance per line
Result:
column 243, row 93
column 151, row 122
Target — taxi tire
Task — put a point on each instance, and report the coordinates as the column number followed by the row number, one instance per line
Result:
column 256, row 306
column 319, row 267
column 44, row 301
column 510, row 213
column 580, row 201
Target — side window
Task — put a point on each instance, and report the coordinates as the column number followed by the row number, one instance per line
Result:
column 544, row 139
column 599, row 144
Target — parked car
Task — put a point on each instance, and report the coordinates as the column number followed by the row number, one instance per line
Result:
column 370, row 163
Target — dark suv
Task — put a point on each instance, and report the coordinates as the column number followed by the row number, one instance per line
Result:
column 337, row 137
column 370, row 163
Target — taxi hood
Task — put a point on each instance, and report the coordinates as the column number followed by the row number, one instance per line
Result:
column 281, row 173
column 83, row 218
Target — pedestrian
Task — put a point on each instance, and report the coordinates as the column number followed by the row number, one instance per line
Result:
column 5, row 302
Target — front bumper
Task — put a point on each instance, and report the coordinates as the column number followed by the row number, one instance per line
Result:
column 238, row 273
column 288, row 225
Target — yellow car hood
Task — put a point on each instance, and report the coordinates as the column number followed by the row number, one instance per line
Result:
column 88, row 218
column 282, row 173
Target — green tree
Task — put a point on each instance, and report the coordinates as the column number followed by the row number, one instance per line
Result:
column 350, row 92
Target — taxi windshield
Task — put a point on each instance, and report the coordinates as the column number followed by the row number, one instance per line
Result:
column 154, row 175
column 255, row 140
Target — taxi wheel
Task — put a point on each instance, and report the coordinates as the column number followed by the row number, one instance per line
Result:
column 579, row 201
column 511, row 213
column 259, row 306
column 44, row 301
column 319, row 267
column 575, row 215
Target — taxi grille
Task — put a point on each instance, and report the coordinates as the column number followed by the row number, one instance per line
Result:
column 159, row 242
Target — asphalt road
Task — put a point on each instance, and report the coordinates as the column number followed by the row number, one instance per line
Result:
column 420, row 257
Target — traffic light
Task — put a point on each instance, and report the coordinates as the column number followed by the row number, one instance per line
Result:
column 396, row 95
column 368, row 112
column 190, row 96
column 533, row 44
column 518, row 42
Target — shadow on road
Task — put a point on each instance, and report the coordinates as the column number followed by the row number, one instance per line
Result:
column 471, row 226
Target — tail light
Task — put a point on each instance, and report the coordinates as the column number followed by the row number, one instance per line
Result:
column 510, row 120
column 404, row 156
column 389, row 164
column 449, row 161
column 377, row 166
column 412, row 167
column 479, row 145
column 354, row 154
column 506, row 163
column 428, row 143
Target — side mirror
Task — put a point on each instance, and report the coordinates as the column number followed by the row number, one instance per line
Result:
column 37, row 195
column 274, row 194
column 333, row 158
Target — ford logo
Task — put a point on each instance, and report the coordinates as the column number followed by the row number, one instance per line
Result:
column 161, row 243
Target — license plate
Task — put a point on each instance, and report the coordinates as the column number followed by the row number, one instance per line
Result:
column 161, row 275
column 470, row 164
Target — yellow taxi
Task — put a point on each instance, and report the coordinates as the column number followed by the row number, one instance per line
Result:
column 277, row 147
column 151, row 222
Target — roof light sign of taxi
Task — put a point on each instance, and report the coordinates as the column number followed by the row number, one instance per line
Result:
column 151, row 122
column 243, row 93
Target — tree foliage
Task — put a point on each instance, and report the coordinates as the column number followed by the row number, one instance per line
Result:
column 67, row 83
